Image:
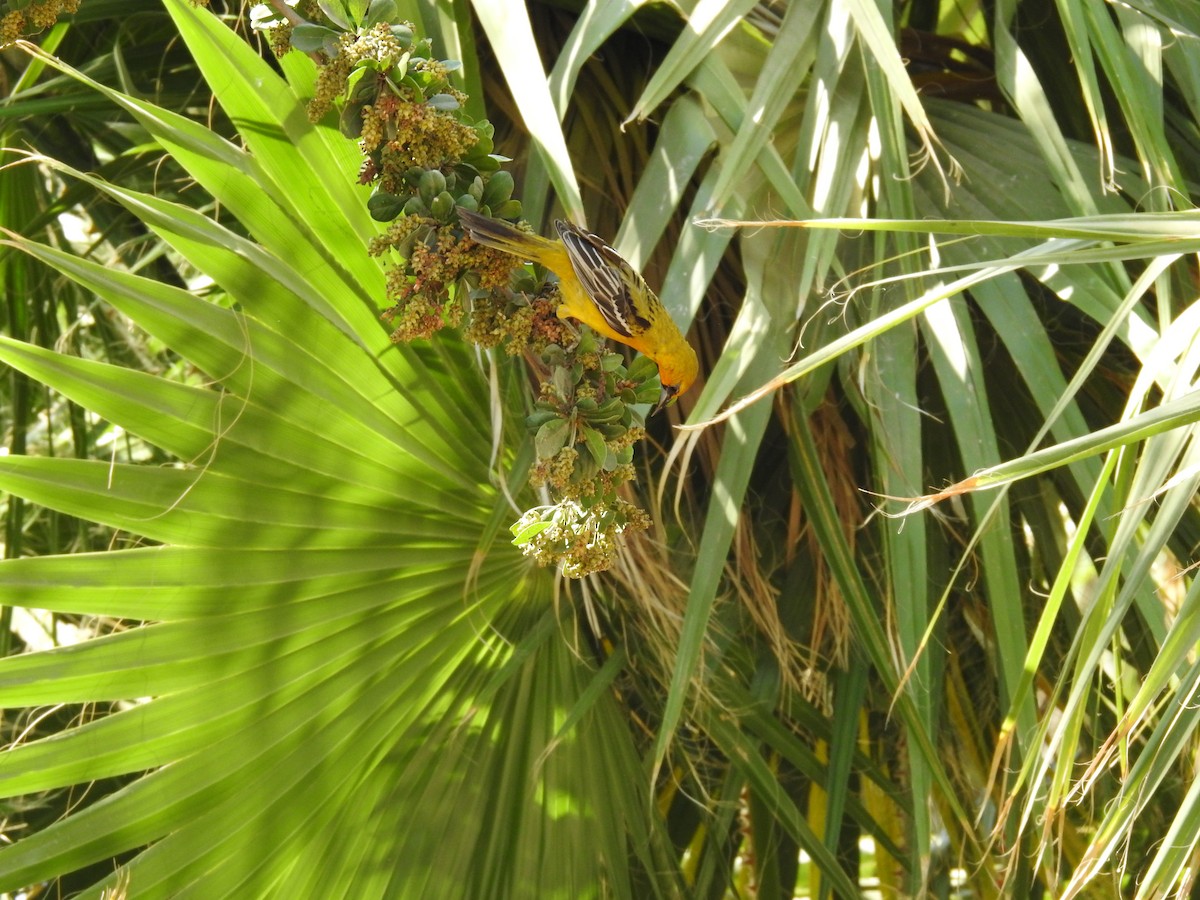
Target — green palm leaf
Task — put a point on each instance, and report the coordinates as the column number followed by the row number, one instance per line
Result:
column 319, row 618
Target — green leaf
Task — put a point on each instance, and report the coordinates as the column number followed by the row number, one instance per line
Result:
column 384, row 206
column 595, row 445
column 498, row 189
column 340, row 12
column 552, row 437
column 444, row 102
column 524, row 534
column 310, row 38
column 380, row 11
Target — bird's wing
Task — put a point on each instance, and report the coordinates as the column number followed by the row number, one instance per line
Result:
column 606, row 277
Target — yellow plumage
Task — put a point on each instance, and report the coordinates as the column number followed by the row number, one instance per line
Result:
column 600, row 289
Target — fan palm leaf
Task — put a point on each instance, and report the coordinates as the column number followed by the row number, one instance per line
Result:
column 323, row 607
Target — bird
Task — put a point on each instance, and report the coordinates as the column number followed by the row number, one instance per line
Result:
column 601, row 290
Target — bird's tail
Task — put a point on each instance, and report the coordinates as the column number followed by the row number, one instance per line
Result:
column 503, row 236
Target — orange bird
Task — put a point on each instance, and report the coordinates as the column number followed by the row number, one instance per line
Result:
column 602, row 290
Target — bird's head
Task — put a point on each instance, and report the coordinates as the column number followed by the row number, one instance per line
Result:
column 676, row 372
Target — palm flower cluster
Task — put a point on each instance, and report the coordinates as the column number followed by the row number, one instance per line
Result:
column 423, row 159
column 425, row 162
column 32, row 18
column 585, row 429
column 441, row 266
column 584, row 423
column 581, row 540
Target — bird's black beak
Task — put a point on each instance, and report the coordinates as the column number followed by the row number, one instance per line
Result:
column 666, row 398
